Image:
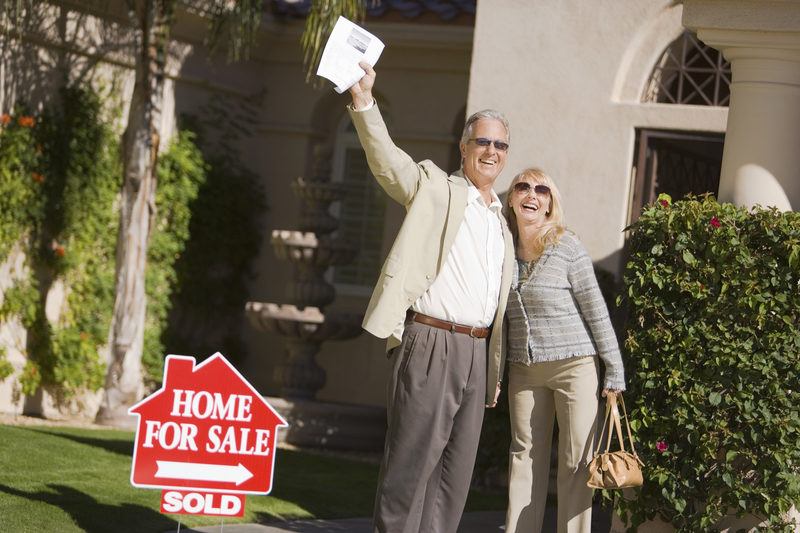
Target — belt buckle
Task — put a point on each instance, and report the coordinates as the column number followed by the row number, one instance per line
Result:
column 472, row 332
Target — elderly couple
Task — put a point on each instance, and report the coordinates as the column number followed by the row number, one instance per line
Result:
column 463, row 290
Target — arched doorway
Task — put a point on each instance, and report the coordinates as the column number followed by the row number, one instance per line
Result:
column 681, row 162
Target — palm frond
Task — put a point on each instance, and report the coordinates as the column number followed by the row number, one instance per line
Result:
column 233, row 21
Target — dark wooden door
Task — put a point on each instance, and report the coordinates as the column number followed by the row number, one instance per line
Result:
column 675, row 163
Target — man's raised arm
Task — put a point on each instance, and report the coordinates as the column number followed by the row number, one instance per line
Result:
column 395, row 171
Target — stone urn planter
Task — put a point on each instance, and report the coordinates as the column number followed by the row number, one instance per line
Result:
column 305, row 325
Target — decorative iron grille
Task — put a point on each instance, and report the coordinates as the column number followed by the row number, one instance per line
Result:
column 676, row 163
column 690, row 72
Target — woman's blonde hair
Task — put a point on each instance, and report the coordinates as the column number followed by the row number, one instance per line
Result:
column 553, row 228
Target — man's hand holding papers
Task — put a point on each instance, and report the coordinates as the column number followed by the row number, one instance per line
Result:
column 348, row 45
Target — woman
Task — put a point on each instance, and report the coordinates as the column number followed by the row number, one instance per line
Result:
column 558, row 325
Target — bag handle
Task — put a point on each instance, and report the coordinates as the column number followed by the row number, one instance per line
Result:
column 628, row 427
column 608, row 421
column 612, row 418
column 618, row 424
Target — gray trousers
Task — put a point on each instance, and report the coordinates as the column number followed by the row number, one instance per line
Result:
column 435, row 411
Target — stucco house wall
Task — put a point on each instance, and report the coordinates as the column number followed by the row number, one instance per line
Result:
column 570, row 75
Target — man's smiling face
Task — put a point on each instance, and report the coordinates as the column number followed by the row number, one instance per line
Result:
column 482, row 164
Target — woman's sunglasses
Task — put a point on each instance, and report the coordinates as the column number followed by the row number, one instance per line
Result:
column 525, row 187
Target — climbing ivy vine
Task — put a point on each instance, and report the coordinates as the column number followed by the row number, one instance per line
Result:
column 60, row 179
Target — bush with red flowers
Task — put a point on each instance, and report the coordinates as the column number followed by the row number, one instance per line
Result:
column 713, row 363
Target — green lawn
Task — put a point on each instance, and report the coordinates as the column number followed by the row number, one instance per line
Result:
column 67, row 479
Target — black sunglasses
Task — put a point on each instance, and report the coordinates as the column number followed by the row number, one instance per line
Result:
column 499, row 145
column 525, row 187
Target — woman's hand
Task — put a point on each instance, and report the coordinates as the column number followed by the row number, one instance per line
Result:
column 615, row 392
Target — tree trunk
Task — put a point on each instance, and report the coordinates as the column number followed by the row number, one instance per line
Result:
column 124, row 381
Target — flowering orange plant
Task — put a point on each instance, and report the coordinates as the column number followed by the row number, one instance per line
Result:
column 26, row 121
column 5, row 119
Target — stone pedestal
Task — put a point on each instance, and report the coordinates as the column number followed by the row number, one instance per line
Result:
column 312, row 250
column 329, row 425
column 305, row 330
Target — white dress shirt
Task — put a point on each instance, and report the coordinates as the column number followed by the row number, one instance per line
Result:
column 468, row 286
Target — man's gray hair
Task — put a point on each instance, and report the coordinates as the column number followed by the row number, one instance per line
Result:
column 486, row 113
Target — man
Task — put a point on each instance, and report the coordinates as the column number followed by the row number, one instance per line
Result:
column 440, row 301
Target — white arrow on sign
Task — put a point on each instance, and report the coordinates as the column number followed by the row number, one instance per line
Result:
column 204, row 472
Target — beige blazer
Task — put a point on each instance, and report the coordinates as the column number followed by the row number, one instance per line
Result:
column 435, row 204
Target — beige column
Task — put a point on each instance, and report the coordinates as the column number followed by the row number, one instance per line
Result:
column 761, row 39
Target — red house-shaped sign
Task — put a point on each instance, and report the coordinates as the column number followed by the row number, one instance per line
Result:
column 206, row 429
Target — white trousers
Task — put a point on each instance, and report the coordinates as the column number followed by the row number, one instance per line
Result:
column 566, row 390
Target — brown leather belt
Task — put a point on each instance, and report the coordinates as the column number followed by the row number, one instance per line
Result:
column 472, row 331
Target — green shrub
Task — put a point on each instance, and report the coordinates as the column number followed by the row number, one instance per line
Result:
column 21, row 179
column 205, row 236
column 207, row 306
column 61, row 210
column 181, row 173
column 77, row 240
column 21, row 201
column 6, row 368
column 209, row 302
column 713, row 362
column 60, row 178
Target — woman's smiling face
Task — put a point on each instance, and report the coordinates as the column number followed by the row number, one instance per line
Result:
column 530, row 201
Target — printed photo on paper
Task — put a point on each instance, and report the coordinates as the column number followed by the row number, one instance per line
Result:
column 348, row 45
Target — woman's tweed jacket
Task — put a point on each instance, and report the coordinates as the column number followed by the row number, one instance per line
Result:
column 559, row 312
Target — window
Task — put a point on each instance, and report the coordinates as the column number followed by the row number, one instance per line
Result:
column 361, row 212
column 689, row 72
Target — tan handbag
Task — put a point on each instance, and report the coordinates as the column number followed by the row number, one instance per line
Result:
column 620, row 469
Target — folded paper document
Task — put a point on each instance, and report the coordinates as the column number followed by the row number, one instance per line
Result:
column 347, row 45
